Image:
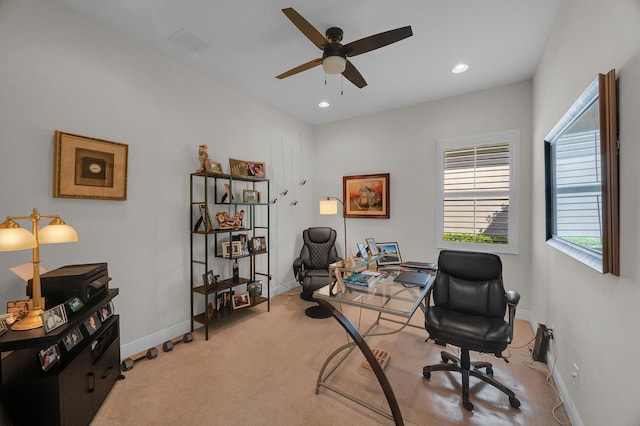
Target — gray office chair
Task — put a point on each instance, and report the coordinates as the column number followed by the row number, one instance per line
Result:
column 311, row 268
column 468, row 310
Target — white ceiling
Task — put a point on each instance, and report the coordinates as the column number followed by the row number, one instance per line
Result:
column 247, row 43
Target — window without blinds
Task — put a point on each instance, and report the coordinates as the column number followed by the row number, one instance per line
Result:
column 477, row 206
column 476, row 193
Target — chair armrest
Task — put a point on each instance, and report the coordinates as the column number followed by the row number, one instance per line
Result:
column 297, row 266
column 513, row 298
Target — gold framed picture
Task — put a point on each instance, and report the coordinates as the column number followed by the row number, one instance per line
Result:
column 366, row 196
column 250, row 196
column 86, row 167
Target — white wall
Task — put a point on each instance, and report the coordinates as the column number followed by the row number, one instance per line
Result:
column 59, row 71
column 402, row 142
column 595, row 316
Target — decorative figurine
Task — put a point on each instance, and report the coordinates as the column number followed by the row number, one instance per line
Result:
column 203, row 157
column 227, row 222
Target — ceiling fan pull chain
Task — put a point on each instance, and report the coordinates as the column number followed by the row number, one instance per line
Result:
column 342, row 86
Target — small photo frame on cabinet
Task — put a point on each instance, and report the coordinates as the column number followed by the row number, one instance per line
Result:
column 49, row 356
column 72, row 339
column 249, row 196
column 106, row 311
column 241, row 300
column 92, row 324
column 54, row 318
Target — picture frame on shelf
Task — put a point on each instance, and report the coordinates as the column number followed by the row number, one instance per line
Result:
column 390, row 253
column 247, row 168
column 255, row 245
column 209, row 279
column 205, row 217
column 241, row 300
column 222, row 300
column 366, row 196
column 216, row 167
column 106, row 311
column 72, row 339
column 92, row 324
column 87, row 167
column 371, row 245
column 226, row 249
column 236, row 248
column 259, row 244
column 54, row 318
column 49, row 356
column 250, row 196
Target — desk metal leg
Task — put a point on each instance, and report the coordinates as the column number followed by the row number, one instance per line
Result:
column 370, row 357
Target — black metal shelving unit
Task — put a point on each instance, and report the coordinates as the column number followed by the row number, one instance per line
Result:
column 206, row 252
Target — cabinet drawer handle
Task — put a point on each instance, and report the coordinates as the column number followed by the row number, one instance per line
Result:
column 92, row 382
column 107, row 373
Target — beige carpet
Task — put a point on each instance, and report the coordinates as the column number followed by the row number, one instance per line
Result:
column 260, row 368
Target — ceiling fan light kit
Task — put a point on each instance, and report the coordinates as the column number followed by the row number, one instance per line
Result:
column 334, row 64
column 335, row 55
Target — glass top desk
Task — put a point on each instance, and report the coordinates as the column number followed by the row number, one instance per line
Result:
column 396, row 299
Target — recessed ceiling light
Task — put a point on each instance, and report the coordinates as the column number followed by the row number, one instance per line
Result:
column 459, row 68
column 323, row 104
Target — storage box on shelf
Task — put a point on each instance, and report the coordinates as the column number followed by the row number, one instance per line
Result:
column 227, row 227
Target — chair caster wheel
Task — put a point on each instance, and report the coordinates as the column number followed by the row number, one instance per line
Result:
column 489, row 371
column 515, row 402
column 426, row 372
column 468, row 405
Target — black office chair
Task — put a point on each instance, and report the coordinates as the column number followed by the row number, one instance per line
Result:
column 311, row 268
column 468, row 310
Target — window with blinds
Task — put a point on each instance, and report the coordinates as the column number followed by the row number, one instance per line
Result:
column 476, row 182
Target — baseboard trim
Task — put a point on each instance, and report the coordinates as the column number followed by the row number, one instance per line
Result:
column 154, row 339
column 161, row 336
column 565, row 396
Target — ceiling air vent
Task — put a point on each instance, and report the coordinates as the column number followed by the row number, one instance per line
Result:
column 189, row 41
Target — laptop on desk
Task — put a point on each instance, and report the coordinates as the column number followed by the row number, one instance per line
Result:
column 420, row 265
column 411, row 277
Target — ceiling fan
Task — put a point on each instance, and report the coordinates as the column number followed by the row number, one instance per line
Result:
column 334, row 58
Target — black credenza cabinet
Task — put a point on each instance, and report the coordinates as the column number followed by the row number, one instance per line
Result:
column 72, row 390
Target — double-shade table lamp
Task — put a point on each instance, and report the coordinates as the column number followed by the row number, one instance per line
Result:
column 329, row 206
column 13, row 237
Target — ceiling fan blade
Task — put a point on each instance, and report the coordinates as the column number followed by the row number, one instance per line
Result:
column 300, row 68
column 377, row 41
column 305, row 27
column 353, row 75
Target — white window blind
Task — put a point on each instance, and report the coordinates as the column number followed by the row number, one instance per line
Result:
column 477, row 189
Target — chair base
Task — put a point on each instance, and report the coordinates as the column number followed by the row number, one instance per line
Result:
column 467, row 368
column 317, row 312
